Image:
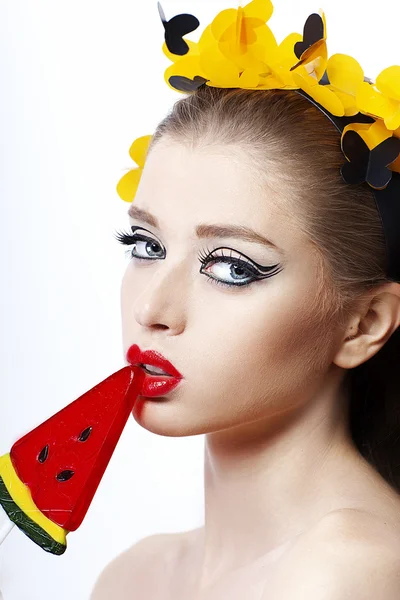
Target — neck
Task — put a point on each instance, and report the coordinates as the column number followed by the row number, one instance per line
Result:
column 267, row 482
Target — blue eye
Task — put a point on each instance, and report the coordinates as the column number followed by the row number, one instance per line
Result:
column 130, row 239
column 242, row 272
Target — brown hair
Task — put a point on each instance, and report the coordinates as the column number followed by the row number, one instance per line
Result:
column 283, row 132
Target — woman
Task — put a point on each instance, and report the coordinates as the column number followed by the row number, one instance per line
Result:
column 289, row 356
column 300, row 476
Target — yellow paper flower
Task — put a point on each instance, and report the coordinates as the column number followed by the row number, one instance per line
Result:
column 128, row 184
column 236, row 27
column 320, row 93
column 382, row 99
column 206, row 60
column 345, row 78
column 278, row 62
column 237, row 49
column 247, row 49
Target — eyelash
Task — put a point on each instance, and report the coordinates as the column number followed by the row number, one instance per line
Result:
column 129, row 239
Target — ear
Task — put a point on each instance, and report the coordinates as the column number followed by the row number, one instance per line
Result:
column 370, row 327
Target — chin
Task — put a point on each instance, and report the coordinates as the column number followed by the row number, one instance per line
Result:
column 164, row 417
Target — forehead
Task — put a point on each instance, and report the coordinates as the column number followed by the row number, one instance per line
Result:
column 211, row 183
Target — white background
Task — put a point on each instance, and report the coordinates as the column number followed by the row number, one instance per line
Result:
column 79, row 81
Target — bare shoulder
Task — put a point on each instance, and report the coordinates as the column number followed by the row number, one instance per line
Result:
column 130, row 570
column 350, row 554
column 360, row 527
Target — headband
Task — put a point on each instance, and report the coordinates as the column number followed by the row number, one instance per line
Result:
column 238, row 50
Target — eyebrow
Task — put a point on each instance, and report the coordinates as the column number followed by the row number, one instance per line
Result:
column 205, row 230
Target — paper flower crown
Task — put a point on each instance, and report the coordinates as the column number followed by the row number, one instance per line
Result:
column 239, row 50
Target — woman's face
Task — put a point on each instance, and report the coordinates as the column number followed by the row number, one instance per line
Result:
column 246, row 352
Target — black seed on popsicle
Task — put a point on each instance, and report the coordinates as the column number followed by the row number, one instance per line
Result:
column 43, row 454
column 85, row 434
column 65, row 475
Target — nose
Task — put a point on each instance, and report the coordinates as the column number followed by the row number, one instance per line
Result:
column 161, row 303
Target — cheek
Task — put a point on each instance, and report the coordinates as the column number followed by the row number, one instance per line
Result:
column 293, row 355
column 263, row 349
column 294, row 343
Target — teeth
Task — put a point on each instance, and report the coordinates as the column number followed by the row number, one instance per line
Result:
column 155, row 370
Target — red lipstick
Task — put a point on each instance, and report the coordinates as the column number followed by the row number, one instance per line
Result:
column 154, row 385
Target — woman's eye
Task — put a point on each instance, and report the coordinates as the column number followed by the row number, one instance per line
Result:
column 221, row 270
column 228, row 271
column 144, row 248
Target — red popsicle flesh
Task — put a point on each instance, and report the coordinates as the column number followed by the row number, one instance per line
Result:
column 63, row 460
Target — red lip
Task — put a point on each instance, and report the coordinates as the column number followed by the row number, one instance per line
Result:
column 151, row 357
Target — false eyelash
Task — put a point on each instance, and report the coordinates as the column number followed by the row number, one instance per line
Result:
column 126, row 238
column 255, row 270
column 205, row 258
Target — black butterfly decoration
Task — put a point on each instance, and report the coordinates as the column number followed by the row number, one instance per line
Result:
column 313, row 32
column 368, row 165
column 325, row 80
column 184, row 84
column 175, row 29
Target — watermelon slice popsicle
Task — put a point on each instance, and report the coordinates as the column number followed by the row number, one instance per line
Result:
column 49, row 477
